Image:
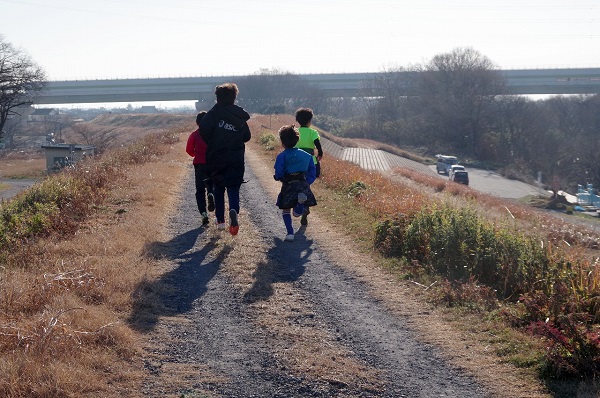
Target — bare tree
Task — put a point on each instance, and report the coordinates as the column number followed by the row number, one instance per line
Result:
column 21, row 80
column 98, row 136
column 576, row 124
column 12, row 127
column 276, row 91
column 459, row 91
column 389, row 115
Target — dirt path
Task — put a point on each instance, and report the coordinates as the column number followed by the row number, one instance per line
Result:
column 254, row 316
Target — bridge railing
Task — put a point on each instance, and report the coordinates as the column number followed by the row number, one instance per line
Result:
column 518, row 81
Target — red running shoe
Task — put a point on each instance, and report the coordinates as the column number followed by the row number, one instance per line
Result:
column 233, row 222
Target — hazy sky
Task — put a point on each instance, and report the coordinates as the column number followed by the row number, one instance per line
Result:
column 83, row 39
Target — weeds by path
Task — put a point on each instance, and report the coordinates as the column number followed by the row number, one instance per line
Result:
column 69, row 260
column 521, row 271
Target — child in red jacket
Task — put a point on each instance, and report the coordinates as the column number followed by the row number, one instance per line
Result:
column 196, row 147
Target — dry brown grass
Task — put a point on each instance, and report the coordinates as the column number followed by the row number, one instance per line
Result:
column 63, row 329
column 25, row 164
column 71, row 309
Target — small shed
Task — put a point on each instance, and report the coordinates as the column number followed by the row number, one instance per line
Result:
column 61, row 155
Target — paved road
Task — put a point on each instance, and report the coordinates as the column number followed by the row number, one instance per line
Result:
column 482, row 180
column 14, row 187
column 496, row 185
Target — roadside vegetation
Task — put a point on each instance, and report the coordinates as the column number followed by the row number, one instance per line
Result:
column 532, row 277
column 538, row 275
column 69, row 264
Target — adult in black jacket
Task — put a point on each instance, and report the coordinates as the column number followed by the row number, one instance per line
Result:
column 225, row 130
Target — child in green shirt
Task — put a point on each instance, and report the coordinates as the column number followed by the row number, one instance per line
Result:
column 309, row 140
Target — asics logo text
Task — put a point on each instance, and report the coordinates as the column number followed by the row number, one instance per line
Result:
column 227, row 126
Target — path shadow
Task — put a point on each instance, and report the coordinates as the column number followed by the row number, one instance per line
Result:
column 175, row 247
column 175, row 291
column 286, row 262
column 573, row 388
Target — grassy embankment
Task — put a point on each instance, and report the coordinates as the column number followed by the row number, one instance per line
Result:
column 532, row 277
column 23, row 165
column 71, row 256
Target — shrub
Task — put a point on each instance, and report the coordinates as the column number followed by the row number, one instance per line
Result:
column 480, row 263
column 268, row 141
column 389, row 236
column 52, row 205
column 573, row 347
column 356, row 189
column 458, row 244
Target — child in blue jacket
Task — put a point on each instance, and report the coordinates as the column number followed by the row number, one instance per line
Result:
column 296, row 171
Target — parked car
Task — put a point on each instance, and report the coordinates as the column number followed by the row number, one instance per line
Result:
column 444, row 163
column 454, row 168
column 460, row 176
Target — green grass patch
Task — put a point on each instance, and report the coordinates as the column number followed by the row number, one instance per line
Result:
column 268, row 141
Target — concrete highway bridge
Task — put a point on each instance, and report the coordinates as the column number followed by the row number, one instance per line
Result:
column 519, row 81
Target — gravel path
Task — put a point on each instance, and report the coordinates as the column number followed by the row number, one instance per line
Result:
column 254, row 316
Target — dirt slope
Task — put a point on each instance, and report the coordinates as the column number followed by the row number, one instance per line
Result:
column 253, row 316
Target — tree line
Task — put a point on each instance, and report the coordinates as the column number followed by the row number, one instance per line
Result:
column 459, row 106
column 456, row 104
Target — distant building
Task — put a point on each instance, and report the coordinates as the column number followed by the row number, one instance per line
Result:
column 148, row 109
column 42, row 115
column 62, row 155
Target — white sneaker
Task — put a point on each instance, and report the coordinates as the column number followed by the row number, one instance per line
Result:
column 221, row 226
column 289, row 238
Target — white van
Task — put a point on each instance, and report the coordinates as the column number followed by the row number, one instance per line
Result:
column 444, row 163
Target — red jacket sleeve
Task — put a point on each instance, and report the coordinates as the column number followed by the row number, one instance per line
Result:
column 191, row 144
